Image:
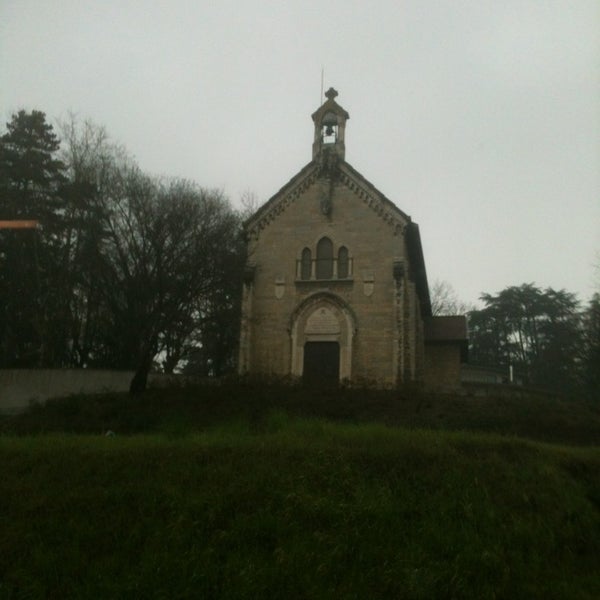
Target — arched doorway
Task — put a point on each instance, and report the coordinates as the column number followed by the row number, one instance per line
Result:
column 322, row 330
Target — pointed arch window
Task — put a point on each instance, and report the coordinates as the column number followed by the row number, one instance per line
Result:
column 306, row 264
column 343, row 270
column 325, row 259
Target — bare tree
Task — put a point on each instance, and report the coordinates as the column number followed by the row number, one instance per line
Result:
column 250, row 204
column 151, row 254
column 96, row 167
column 126, row 267
column 167, row 247
column 445, row 300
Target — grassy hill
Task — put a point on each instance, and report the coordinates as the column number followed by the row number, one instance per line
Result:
column 269, row 492
column 186, row 409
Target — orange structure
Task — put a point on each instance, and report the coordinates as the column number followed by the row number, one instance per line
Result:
column 19, row 224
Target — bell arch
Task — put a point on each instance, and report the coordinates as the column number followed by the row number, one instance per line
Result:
column 322, row 317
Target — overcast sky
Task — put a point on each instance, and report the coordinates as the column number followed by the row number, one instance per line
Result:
column 480, row 119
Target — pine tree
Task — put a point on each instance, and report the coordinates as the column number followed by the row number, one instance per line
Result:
column 537, row 331
column 32, row 180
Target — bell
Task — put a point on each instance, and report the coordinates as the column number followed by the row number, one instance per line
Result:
column 329, row 122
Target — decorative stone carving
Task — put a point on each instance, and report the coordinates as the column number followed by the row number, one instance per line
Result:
column 322, row 321
column 328, row 174
column 331, row 93
column 368, row 283
column 328, row 164
column 279, row 287
column 326, row 204
column 398, row 270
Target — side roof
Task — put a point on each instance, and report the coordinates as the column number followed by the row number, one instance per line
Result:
column 448, row 330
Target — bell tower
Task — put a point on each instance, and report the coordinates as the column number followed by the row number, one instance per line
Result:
column 330, row 124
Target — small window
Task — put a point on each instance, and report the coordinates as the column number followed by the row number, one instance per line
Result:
column 325, row 259
column 305, row 264
column 343, row 270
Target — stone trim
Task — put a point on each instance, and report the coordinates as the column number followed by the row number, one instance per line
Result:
column 282, row 203
column 375, row 203
column 245, row 349
column 344, row 335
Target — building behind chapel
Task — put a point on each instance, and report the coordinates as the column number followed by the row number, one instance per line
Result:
column 335, row 285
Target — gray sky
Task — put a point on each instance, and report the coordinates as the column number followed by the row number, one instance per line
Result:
column 480, row 119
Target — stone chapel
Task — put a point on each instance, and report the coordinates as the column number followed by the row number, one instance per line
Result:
column 335, row 287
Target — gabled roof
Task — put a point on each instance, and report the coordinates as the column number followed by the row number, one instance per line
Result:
column 298, row 178
column 347, row 167
column 348, row 175
column 383, row 206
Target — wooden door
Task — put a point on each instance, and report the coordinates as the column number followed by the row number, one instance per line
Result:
column 321, row 363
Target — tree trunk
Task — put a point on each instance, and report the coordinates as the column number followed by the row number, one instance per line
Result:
column 140, row 378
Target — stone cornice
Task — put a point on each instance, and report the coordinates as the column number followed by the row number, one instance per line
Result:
column 278, row 203
column 383, row 207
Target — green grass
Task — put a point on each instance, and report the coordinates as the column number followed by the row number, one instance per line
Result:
column 177, row 411
column 219, row 498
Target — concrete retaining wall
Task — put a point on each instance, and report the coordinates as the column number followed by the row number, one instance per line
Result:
column 20, row 387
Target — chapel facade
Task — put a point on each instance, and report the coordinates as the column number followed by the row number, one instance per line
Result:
column 335, row 286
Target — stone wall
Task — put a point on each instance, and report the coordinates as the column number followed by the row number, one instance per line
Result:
column 21, row 387
column 371, row 292
column 442, row 367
